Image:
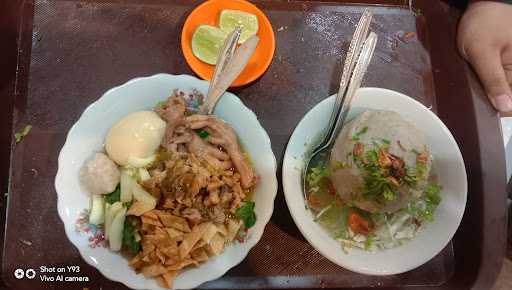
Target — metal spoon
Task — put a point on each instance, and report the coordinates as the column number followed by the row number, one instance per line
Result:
column 353, row 52
column 324, row 149
column 230, row 64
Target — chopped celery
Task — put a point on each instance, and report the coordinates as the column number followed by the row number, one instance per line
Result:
column 97, row 214
column 126, row 186
column 110, row 212
column 116, row 230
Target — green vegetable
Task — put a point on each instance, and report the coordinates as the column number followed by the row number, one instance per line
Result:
column 386, row 141
column 246, row 213
column 316, row 174
column 420, row 169
column 410, row 179
column 19, row 136
column 202, row 133
column 424, row 208
column 129, row 236
column 358, row 134
column 432, row 194
column 339, row 165
column 335, row 219
column 372, row 156
column 388, row 193
column 369, row 242
column 114, row 196
column 376, row 184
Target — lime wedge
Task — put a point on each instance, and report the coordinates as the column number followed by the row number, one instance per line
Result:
column 230, row 19
column 207, row 43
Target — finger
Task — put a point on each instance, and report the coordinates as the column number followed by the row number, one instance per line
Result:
column 507, row 62
column 487, row 63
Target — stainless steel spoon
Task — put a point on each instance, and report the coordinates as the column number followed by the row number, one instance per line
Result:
column 345, row 95
column 230, row 64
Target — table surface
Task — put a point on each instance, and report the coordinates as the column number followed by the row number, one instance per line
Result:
column 67, row 40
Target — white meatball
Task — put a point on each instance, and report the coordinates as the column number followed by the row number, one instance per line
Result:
column 404, row 139
column 100, row 175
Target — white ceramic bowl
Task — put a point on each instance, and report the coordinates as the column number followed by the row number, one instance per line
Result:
column 87, row 136
column 448, row 165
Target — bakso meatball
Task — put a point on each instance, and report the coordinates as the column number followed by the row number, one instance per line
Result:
column 380, row 162
column 100, row 175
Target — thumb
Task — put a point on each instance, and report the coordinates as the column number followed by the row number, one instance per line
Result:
column 487, row 63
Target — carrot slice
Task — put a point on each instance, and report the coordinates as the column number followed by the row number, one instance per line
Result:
column 359, row 224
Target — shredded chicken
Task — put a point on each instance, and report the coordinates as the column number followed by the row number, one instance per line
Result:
column 200, row 178
column 223, row 135
column 192, row 214
column 174, row 113
column 210, row 154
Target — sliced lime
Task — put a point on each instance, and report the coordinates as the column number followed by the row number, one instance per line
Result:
column 207, row 43
column 230, row 19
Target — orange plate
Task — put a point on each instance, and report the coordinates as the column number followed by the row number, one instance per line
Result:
column 208, row 13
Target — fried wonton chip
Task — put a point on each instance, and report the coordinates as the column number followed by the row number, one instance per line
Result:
column 136, row 262
column 151, row 258
column 233, row 228
column 160, row 231
column 151, row 221
column 182, row 264
column 147, row 227
column 168, row 278
column 173, row 233
column 171, row 259
column 161, row 282
column 172, row 221
column 222, row 229
column 199, row 244
column 139, row 208
column 209, row 230
column 199, row 255
column 153, row 270
column 147, row 247
column 161, row 256
column 151, row 214
column 189, row 240
column 216, row 245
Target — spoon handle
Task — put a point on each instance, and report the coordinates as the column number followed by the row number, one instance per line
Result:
column 232, row 70
column 355, row 82
column 353, row 52
column 225, row 56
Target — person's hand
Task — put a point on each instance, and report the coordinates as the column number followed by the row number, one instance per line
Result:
column 485, row 41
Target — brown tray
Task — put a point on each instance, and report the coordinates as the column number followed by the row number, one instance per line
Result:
column 70, row 52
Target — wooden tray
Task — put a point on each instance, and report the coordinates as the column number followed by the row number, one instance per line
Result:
column 71, row 52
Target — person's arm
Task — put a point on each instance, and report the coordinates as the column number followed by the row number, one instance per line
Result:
column 485, row 41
